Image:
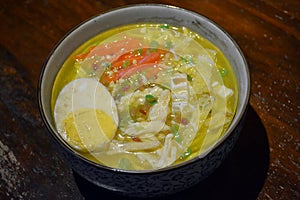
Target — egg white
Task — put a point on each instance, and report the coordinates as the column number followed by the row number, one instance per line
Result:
column 83, row 93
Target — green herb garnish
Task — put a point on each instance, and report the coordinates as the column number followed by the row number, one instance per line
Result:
column 187, row 59
column 223, row 72
column 165, row 26
column 189, row 78
column 138, row 51
column 125, row 63
column 186, row 153
column 150, row 99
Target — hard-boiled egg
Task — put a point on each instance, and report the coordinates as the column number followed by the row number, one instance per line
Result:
column 86, row 115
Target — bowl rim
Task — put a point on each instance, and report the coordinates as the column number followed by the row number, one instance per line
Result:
column 228, row 132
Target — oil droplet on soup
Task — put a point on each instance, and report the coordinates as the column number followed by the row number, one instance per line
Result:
column 166, row 95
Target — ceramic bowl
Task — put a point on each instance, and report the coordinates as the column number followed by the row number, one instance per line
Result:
column 166, row 180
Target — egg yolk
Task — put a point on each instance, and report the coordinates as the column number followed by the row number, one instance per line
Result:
column 88, row 130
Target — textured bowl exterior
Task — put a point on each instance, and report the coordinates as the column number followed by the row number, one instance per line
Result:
column 171, row 179
column 155, row 184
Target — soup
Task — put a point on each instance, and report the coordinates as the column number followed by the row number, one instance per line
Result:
column 144, row 96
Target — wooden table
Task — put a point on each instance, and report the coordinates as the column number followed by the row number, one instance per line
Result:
column 265, row 163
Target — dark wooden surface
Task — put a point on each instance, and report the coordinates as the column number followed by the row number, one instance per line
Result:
column 265, row 163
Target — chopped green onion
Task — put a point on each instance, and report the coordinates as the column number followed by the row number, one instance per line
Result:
column 138, row 51
column 186, row 153
column 125, row 63
column 189, row 78
column 223, row 72
column 165, row 26
column 174, row 129
column 177, row 137
column 150, row 99
column 187, row 59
